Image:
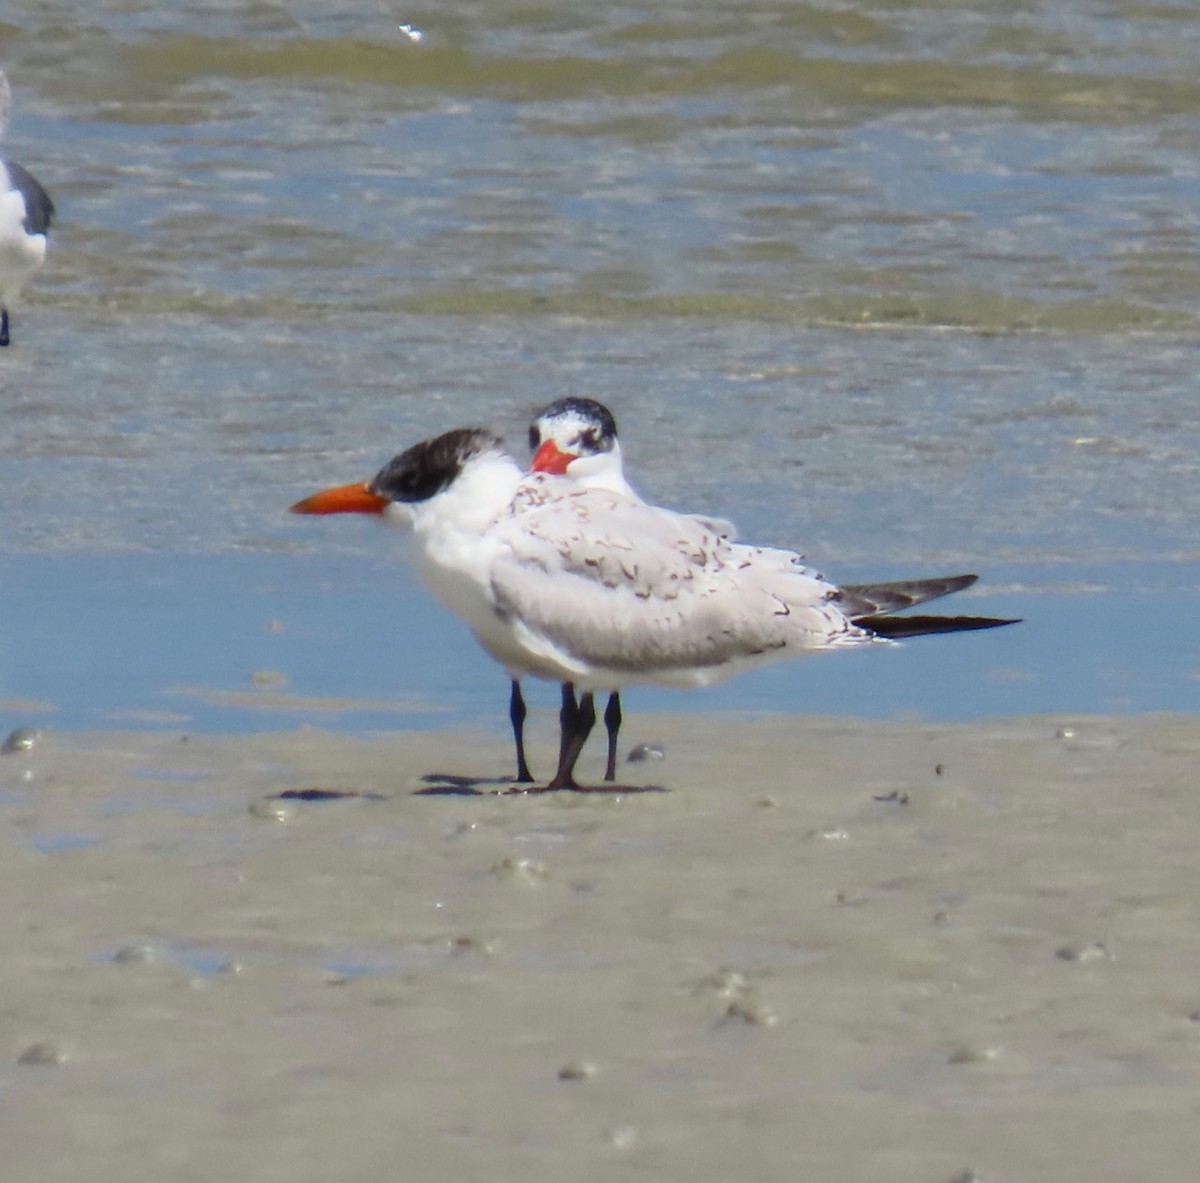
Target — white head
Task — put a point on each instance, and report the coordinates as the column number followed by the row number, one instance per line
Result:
column 577, row 437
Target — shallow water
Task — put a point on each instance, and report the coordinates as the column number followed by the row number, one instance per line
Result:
column 910, row 288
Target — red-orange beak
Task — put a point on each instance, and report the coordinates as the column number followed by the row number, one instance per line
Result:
column 344, row 499
column 549, row 459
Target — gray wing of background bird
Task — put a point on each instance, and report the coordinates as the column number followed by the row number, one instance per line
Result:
column 39, row 209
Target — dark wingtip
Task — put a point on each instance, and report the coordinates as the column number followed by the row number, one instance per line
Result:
column 39, row 209
column 894, row 627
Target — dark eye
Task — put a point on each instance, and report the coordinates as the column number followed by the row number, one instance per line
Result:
column 535, row 438
column 590, row 440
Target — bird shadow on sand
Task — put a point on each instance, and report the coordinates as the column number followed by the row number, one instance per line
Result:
column 447, row 784
column 325, row 795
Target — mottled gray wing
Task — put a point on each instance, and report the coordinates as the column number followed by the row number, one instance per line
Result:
column 617, row 584
column 877, row 599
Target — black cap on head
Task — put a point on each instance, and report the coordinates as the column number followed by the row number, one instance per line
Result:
column 427, row 468
column 598, row 428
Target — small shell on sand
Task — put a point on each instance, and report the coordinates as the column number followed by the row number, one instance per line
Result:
column 748, row 1011
column 1096, row 951
column 521, row 870
column 22, row 739
column 45, row 1051
column 724, row 983
column 968, row 1053
column 577, row 1070
column 647, row 751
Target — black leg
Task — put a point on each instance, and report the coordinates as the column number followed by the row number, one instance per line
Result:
column 578, row 719
column 3, row 326
column 517, row 713
column 612, row 723
column 566, row 720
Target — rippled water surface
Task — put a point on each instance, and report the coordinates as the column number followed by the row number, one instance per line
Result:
column 909, row 287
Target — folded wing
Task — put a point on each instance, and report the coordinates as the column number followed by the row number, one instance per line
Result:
column 647, row 593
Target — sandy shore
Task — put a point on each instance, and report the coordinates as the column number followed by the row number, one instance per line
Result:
column 830, row 950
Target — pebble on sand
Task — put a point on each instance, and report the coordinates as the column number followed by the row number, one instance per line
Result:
column 22, row 739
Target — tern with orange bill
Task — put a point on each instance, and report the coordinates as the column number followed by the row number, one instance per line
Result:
column 595, row 589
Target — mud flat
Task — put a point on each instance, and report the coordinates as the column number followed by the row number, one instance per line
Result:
column 827, row 949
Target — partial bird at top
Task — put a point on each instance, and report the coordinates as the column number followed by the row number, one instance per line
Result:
column 25, row 214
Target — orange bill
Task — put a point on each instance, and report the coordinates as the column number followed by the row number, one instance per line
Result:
column 549, row 459
column 344, row 499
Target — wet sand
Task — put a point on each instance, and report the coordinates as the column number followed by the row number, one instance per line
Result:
column 831, row 949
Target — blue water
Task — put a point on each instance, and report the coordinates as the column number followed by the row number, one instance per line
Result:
column 910, row 289
column 77, row 640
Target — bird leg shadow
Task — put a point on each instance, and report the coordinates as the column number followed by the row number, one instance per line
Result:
column 447, row 784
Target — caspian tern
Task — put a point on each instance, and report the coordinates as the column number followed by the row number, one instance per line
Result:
column 595, row 589
column 25, row 213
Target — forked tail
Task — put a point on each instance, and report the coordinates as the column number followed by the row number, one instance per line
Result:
column 870, row 606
